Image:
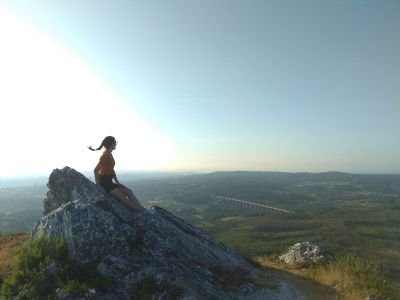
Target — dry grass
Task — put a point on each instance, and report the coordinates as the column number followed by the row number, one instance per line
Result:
column 349, row 278
column 8, row 245
column 340, row 280
column 266, row 261
column 296, row 277
column 353, row 278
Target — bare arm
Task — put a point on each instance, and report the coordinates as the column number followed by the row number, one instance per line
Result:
column 115, row 177
column 96, row 173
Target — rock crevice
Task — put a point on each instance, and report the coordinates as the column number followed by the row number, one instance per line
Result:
column 131, row 247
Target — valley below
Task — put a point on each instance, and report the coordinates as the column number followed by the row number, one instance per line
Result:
column 345, row 214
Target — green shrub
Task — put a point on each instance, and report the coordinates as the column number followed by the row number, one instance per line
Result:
column 145, row 289
column 61, row 250
column 29, row 278
column 29, row 275
column 74, row 288
column 87, row 274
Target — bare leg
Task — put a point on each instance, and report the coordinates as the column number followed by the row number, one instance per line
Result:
column 120, row 196
column 131, row 196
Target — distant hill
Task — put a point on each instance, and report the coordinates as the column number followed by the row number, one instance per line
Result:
column 21, row 203
column 22, row 181
column 285, row 178
column 266, row 187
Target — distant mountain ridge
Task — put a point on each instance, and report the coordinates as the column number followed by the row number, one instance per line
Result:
column 7, row 182
column 284, row 178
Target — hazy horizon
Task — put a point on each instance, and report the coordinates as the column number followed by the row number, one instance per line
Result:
column 292, row 86
column 189, row 172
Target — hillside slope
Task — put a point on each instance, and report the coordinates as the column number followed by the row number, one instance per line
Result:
column 136, row 252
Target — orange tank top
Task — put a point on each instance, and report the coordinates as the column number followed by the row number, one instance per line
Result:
column 107, row 164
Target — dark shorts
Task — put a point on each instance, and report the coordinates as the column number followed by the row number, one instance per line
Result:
column 107, row 183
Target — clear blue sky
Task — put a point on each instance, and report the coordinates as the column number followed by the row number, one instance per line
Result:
column 245, row 85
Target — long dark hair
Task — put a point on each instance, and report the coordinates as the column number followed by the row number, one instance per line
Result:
column 107, row 142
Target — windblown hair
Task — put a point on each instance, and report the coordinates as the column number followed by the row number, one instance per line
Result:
column 107, row 142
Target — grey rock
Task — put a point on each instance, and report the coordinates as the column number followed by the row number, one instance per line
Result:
column 176, row 258
column 67, row 185
column 247, row 287
column 52, row 268
column 91, row 294
column 302, row 255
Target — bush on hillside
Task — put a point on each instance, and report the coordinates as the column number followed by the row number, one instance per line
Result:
column 29, row 276
column 32, row 277
column 353, row 278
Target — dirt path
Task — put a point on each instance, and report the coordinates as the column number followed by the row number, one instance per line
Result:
column 309, row 288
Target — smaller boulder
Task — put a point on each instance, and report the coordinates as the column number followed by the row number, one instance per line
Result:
column 302, row 255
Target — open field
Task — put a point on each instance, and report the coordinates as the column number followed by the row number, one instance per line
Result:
column 8, row 245
column 343, row 213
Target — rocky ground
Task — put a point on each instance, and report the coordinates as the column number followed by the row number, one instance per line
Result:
column 181, row 261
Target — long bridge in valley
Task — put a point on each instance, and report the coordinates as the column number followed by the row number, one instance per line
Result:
column 252, row 205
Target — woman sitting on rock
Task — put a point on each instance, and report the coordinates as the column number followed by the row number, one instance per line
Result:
column 104, row 174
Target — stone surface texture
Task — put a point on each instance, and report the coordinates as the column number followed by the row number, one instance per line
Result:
column 130, row 247
column 302, row 255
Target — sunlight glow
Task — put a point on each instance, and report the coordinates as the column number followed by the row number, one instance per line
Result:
column 53, row 106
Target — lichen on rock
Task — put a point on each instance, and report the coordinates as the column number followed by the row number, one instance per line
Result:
column 302, row 255
column 159, row 251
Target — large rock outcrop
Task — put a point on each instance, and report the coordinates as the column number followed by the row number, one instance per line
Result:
column 131, row 247
column 302, row 255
